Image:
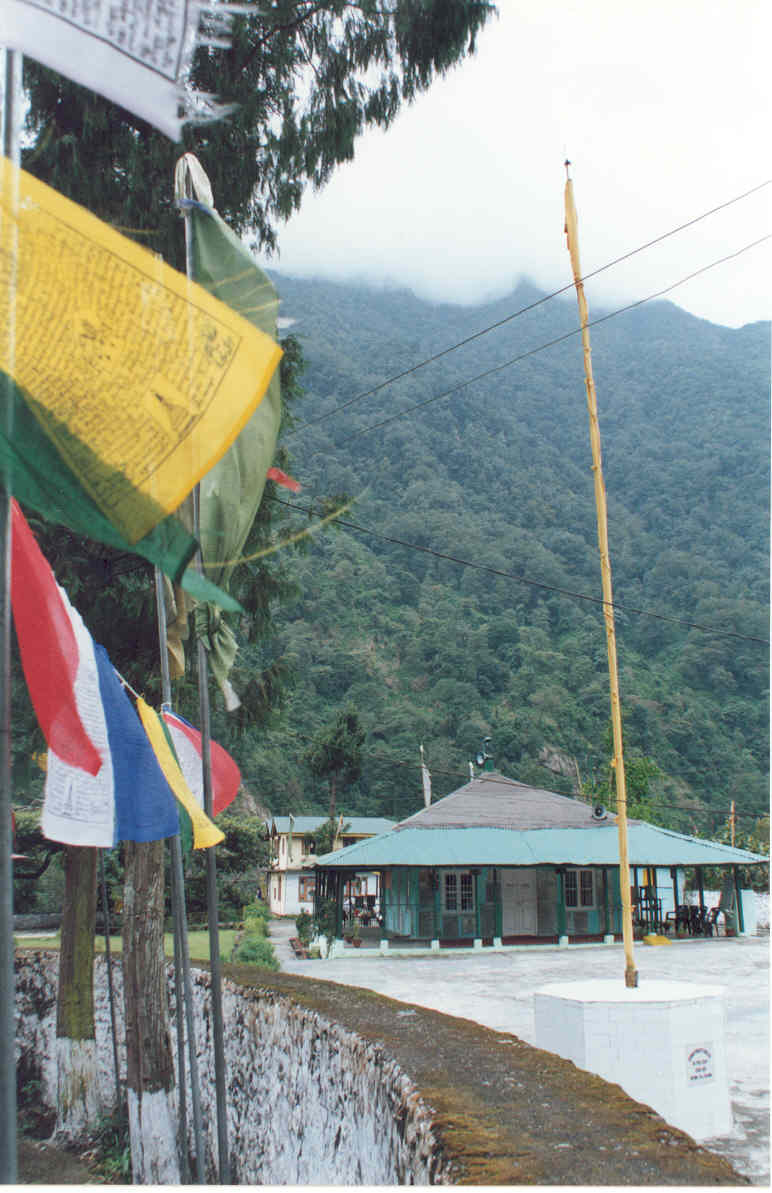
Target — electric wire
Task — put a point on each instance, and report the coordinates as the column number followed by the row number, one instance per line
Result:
column 541, row 347
column 686, row 810
column 481, row 567
column 523, row 310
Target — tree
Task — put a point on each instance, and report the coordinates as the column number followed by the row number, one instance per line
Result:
column 324, row 837
column 77, row 1089
column 306, row 80
column 149, row 1065
column 336, row 755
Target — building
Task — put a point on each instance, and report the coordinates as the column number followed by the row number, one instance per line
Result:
column 291, row 877
column 498, row 861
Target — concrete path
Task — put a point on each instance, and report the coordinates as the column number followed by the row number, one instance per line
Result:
column 496, row 990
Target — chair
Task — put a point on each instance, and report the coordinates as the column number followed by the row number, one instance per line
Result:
column 710, row 923
column 696, row 921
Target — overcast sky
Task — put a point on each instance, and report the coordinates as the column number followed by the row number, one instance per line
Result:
column 663, row 107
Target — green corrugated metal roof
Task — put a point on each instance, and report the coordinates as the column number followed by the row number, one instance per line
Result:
column 596, row 846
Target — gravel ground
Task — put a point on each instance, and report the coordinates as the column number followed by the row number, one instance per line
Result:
column 496, row 990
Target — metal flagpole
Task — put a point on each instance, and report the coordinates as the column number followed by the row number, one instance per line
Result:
column 110, row 992
column 11, row 112
column 631, row 973
column 181, row 949
column 223, row 1158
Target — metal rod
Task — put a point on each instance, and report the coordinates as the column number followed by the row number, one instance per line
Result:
column 631, row 974
column 11, row 108
column 110, row 992
column 184, row 997
column 223, row 1159
column 179, row 996
column 212, row 898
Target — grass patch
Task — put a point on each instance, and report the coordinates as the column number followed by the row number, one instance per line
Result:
column 198, row 943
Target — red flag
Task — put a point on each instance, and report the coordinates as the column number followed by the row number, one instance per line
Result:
column 226, row 776
column 281, row 478
column 49, row 648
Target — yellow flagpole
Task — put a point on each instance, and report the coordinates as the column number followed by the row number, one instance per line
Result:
column 631, row 973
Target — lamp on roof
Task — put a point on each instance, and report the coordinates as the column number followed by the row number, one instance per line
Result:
column 483, row 758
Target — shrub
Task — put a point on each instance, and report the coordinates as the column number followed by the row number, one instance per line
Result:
column 256, row 910
column 305, row 927
column 256, row 950
column 326, row 919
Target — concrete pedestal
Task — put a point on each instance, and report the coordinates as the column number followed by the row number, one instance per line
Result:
column 663, row 1042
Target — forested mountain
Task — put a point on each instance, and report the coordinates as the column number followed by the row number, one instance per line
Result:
column 498, row 474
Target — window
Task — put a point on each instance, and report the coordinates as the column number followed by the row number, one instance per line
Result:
column 458, row 891
column 580, row 888
column 306, row 888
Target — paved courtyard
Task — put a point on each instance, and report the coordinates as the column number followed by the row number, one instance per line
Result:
column 496, row 990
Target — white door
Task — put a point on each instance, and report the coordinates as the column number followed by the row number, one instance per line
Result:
column 518, row 902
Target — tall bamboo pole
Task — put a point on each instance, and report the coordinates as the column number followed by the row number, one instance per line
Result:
column 11, row 63
column 631, row 974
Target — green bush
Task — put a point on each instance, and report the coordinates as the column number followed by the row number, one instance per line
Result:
column 256, row 910
column 305, row 927
column 256, row 950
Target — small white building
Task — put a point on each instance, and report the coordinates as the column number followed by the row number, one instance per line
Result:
column 291, row 877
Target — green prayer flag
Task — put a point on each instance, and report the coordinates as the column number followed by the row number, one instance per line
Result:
column 40, row 479
column 232, row 490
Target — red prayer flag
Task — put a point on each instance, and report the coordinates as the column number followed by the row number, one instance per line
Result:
column 49, row 648
column 226, row 776
column 281, row 478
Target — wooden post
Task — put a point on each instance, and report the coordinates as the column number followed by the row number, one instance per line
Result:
column 739, row 900
column 631, row 974
column 561, row 905
column 606, row 917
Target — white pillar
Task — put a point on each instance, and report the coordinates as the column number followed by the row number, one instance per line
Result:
column 663, row 1042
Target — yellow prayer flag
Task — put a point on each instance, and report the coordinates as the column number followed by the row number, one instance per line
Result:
column 140, row 378
column 572, row 230
column 205, row 833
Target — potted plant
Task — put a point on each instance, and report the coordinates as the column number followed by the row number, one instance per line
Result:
column 356, row 939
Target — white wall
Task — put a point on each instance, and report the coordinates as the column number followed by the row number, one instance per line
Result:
column 365, row 1124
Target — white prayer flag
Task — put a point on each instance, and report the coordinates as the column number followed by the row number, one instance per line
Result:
column 134, row 52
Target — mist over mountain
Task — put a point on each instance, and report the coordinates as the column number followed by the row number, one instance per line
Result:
column 498, row 474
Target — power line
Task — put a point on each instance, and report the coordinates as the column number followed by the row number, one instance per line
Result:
column 481, row 567
column 542, row 347
column 522, row 311
column 687, row 810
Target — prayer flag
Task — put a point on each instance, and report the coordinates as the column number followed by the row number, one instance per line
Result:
column 205, row 833
column 43, row 482
column 231, row 492
column 139, row 378
column 280, row 478
column 51, row 644
column 136, row 53
column 130, row 799
column 226, row 777
column 426, row 780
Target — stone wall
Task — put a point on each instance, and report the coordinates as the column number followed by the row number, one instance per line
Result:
column 308, row 1101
